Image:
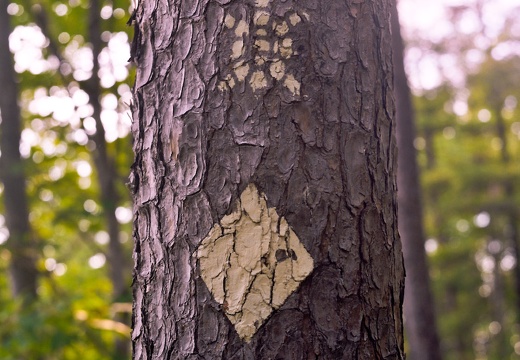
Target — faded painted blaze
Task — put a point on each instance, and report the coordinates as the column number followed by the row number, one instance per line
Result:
column 252, row 261
column 271, row 53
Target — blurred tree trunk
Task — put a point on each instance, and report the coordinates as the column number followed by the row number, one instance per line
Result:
column 502, row 346
column 21, row 243
column 264, row 181
column 512, row 233
column 419, row 308
column 429, row 147
column 104, row 163
column 107, row 177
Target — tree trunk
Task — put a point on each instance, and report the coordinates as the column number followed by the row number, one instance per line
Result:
column 264, row 181
column 104, row 163
column 21, row 243
column 107, row 177
column 419, row 306
column 512, row 233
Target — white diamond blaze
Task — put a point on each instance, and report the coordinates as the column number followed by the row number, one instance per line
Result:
column 251, row 262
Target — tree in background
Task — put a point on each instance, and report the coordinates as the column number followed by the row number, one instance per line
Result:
column 419, row 307
column 68, row 95
column 464, row 178
column 499, row 100
column 264, row 182
column 103, row 160
column 22, row 244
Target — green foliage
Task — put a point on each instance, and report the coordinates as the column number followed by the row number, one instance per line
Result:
column 62, row 323
column 471, row 195
column 74, row 314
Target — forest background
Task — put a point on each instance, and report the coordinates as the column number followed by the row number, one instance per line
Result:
column 463, row 63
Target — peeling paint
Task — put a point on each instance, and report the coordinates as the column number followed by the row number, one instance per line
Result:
column 294, row 19
column 286, row 48
column 229, row 21
column 292, row 84
column 252, row 261
column 261, row 18
column 242, row 28
column 286, row 51
column 262, row 3
column 229, row 83
column 258, row 80
column 281, row 29
column 237, row 49
column 277, row 69
column 272, row 51
column 222, row 86
column 262, row 45
column 241, row 72
column 259, row 60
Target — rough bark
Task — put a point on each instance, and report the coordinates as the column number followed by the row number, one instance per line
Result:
column 249, row 113
column 419, row 307
column 21, row 243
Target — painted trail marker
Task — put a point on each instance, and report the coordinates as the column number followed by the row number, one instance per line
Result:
column 252, row 261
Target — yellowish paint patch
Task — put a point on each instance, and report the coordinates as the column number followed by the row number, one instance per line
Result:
column 258, row 80
column 251, row 262
column 261, row 18
column 262, row 3
column 292, row 84
column 261, row 32
column 259, row 60
column 277, row 69
column 222, row 86
column 294, row 19
column 229, row 21
column 227, row 83
column 287, row 42
column 281, row 29
column 241, row 72
column 242, row 28
column 237, row 49
column 286, row 48
column 262, row 45
column 231, row 82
